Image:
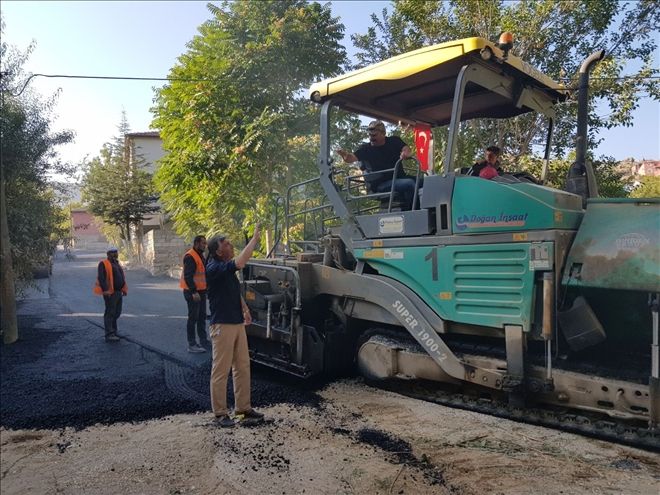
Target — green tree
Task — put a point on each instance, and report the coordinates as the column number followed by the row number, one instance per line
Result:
column 611, row 180
column 649, row 187
column 554, row 36
column 235, row 119
column 29, row 214
column 115, row 188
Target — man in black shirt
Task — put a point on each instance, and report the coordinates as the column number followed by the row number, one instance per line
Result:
column 489, row 167
column 229, row 315
column 381, row 153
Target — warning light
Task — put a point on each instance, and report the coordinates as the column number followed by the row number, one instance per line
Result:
column 506, row 38
column 505, row 43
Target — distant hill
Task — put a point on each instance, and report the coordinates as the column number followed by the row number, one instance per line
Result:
column 67, row 191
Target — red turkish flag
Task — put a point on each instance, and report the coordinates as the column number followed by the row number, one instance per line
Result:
column 423, row 144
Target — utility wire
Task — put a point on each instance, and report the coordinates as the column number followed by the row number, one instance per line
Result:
column 183, row 79
column 120, row 78
column 621, row 78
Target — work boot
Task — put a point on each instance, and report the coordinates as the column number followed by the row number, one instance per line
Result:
column 195, row 349
column 224, row 421
column 250, row 417
column 112, row 338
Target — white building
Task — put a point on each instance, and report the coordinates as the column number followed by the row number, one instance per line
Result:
column 160, row 250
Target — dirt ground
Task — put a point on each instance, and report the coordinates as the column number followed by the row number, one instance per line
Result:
column 359, row 441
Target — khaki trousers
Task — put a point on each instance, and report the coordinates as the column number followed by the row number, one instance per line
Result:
column 230, row 352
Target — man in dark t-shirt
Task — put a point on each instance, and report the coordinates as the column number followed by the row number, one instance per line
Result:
column 229, row 315
column 381, row 153
column 490, row 167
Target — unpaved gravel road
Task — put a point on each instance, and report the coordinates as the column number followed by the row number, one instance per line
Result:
column 358, row 440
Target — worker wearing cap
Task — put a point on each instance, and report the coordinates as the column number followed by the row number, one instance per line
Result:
column 111, row 284
column 381, row 153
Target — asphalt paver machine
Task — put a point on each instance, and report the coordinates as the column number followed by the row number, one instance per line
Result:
column 506, row 288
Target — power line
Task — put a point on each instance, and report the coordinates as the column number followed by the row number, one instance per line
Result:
column 184, row 79
column 621, row 78
column 120, row 78
column 131, row 78
column 127, row 78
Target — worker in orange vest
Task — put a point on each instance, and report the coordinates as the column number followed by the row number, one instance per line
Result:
column 193, row 283
column 111, row 284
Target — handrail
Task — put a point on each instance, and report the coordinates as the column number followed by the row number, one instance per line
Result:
column 394, row 177
column 278, row 235
column 365, row 175
column 287, row 212
column 305, row 211
column 296, row 276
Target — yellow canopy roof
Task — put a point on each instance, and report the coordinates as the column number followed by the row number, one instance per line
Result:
column 418, row 87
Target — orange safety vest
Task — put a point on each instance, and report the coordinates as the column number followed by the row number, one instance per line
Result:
column 200, row 272
column 111, row 283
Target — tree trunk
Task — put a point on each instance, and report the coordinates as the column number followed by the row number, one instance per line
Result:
column 127, row 238
column 139, row 235
column 7, row 289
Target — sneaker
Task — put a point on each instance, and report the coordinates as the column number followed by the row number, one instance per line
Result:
column 224, row 421
column 195, row 349
column 112, row 338
column 251, row 415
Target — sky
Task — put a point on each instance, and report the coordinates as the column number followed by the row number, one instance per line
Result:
column 144, row 39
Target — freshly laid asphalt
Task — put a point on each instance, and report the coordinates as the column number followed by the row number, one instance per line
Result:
column 62, row 373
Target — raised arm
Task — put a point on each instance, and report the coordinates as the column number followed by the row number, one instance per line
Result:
column 242, row 259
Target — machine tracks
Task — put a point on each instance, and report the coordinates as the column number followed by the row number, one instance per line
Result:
column 631, row 432
column 581, row 423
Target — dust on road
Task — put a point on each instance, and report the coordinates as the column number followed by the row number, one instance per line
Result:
column 357, row 440
column 81, row 416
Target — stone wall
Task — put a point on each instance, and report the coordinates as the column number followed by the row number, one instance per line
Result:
column 163, row 251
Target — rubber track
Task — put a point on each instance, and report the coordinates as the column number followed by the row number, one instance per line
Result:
column 583, row 424
column 579, row 422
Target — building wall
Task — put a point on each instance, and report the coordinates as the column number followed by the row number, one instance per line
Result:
column 649, row 167
column 163, row 251
column 637, row 168
column 86, row 233
column 150, row 149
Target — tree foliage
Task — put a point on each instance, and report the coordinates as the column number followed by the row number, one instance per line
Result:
column 612, row 182
column 554, row 36
column 649, row 187
column 28, row 152
column 235, row 121
column 115, row 188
